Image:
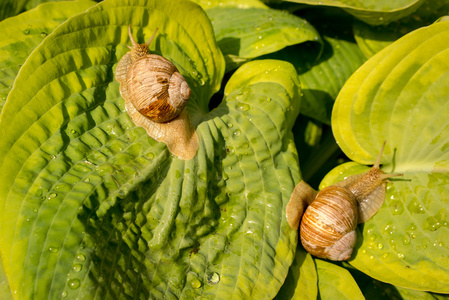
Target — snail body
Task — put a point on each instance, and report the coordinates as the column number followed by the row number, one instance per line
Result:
column 328, row 224
column 155, row 96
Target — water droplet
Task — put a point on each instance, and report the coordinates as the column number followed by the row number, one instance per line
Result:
column 150, row 155
column 230, row 125
column 74, row 283
column 268, row 99
column 397, row 207
column 73, row 131
column 406, row 239
column 237, row 132
column 203, row 177
column 80, row 257
column 195, row 283
column 213, row 278
column 86, row 180
column 43, row 34
column 400, row 255
column 26, row 32
column 64, row 294
column 385, row 255
column 52, row 195
column 243, row 107
column 77, row 268
column 363, row 251
column 202, row 82
column 53, row 249
column 380, row 246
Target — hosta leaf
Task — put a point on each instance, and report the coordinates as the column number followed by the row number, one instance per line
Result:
column 94, row 208
column 21, row 34
column 335, row 282
column 401, row 95
column 10, row 8
column 243, row 34
column 372, row 39
column 5, row 291
column 372, row 12
column 30, row 4
column 323, row 71
column 206, row 4
column 373, row 289
column 301, row 282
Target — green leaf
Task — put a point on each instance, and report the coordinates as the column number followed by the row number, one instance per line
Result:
column 335, row 282
column 243, row 34
column 207, row 4
column 30, row 4
column 94, row 208
column 301, row 282
column 401, row 95
column 323, row 72
column 21, row 34
column 5, row 291
column 10, row 8
column 372, row 39
column 373, row 289
column 373, row 12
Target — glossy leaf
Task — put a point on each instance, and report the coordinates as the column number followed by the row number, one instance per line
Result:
column 206, row 4
column 243, row 34
column 335, row 282
column 94, row 208
column 372, row 39
column 372, row 12
column 9, row 8
column 301, row 282
column 401, row 95
column 21, row 34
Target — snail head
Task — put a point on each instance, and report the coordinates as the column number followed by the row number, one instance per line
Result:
column 139, row 50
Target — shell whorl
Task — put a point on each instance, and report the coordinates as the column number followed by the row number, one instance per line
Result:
column 153, row 84
column 156, row 88
column 327, row 224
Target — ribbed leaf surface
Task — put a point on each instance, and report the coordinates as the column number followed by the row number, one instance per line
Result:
column 94, row 208
column 401, row 95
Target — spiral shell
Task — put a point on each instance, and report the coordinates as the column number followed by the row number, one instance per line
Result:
column 155, row 96
column 328, row 224
column 156, row 88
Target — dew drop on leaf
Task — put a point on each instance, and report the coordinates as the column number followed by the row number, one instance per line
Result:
column 195, row 283
column 77, row 268
column 74, row 283
column 80, row 257
column 53, row 249
column 213, row 278
column 243, row 107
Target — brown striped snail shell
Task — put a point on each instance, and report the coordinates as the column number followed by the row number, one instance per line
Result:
column 328, row 224
column 155, row 96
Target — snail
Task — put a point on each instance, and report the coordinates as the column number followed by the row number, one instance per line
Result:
column 331, row 216
column 155, row 96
